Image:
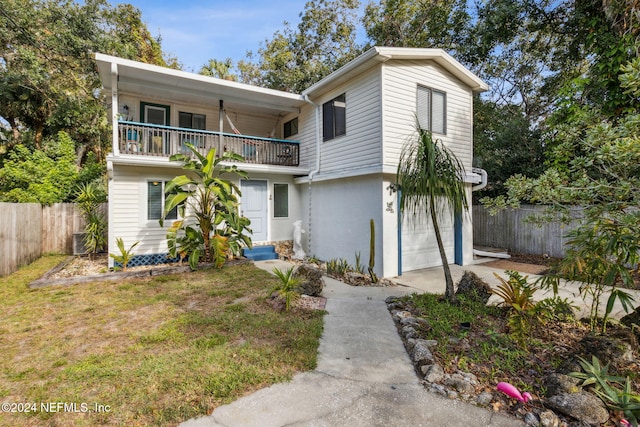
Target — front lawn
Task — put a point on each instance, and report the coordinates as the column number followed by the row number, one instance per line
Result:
column 154, row 351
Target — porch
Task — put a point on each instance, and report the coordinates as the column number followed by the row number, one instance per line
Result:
column 145, row 139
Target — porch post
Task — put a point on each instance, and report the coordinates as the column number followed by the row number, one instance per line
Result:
column 115, row 110
column 221, row 126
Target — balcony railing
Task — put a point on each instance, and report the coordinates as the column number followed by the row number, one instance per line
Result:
column 154, row 140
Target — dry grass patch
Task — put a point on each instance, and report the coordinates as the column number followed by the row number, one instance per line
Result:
column 156, row 351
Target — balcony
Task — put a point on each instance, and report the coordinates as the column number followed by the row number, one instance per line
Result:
column 163, row 141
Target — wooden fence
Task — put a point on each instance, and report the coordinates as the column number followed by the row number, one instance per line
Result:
column 508, row 229
column 29, row 230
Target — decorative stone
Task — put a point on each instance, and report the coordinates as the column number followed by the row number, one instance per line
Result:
column 409, row 332
column 549, row 419
column 560, row 383
column 484, row 399
column 474, row 288
column 312, row 282
column 582, row 406
column 421, row 354
column 433, row 373
column 460, row 383
column 531, row 419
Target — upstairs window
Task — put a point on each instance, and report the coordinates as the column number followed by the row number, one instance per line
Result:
column 192, row 121
column 432, row 110
column 291, row 128
column 334, row 118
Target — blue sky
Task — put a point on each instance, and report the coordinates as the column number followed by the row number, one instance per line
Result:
column 196, row 31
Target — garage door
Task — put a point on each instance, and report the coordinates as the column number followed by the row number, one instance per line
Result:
column 419, row 244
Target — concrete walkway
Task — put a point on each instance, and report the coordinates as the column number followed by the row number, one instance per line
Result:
column 364, row 376
column 431, row 280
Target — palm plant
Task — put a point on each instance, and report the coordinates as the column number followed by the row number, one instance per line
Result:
column 287, row 288
column 204, row 198
column 429, row 177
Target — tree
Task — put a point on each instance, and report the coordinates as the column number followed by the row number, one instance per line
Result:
column 294, row 59
column 604, row 181
column 505, row 143
column 219, row 69
column 411, row 23
column 429, row 177
column 45, row 175
column 204, row 198
column 48, row 79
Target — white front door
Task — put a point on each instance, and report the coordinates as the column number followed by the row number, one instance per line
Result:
column 254, row 207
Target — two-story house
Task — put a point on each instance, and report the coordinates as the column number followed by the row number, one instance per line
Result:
column 327, row 156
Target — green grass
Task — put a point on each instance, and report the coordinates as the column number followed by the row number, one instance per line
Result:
column 155, row 351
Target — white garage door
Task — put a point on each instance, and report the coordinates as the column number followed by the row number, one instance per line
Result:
column 419, row 244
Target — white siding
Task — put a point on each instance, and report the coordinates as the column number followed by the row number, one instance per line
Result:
column 128, row 208
column 401, row 79
column 341, row 210
column 361, row 146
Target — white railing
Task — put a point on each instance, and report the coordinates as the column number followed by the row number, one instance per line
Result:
column 165, row 141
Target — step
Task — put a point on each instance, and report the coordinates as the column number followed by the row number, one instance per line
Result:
column 261, row 253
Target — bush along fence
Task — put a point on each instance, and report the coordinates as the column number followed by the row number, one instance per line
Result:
column 29, row 230
column 509, row 229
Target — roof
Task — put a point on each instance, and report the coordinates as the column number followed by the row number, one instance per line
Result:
column 141, row 78
column 378, row 55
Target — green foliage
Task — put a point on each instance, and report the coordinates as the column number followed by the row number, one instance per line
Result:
column 89, row 197
column 604, row 181
column 428, row 176
column 517, row 296
column 125, row 254
column 287, row 288
column 338, row 267
column 359, row 268
column 294, row 59
column 617, row 399
column 40, row 176
column 206, row 199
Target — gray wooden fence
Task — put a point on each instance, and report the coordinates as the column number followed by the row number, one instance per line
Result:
column 508, row 229
column 29, row 230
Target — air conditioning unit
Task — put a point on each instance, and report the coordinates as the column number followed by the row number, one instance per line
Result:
column 79, row 247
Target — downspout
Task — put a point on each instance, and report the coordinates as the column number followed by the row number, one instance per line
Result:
column 316, row 169
column 221, row 125
column 483, row 179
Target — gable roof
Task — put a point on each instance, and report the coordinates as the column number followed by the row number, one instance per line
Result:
column 378, row 55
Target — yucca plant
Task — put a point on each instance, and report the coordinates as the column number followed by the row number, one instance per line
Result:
column 287, row 288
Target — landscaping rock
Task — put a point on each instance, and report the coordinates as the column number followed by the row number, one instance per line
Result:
column 582, row 406
column 549, row 419
column 531, row 419
column 433, row 373
column 409, row 331
column 474, row 288
column 460, row 383
column 421, row 354
column 312, row 282
column 560, row 383
column 484, row 399
column 632, row 318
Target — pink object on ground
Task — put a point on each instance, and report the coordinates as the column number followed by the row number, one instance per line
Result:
column 511, row 391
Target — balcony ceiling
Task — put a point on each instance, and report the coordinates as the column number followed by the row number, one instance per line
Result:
column 180, row 86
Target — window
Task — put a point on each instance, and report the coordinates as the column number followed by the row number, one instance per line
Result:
column 291, row 128
column 192, row 121
column 155, row 201
column 281, row 200
column 432, row 110
column 334, row 118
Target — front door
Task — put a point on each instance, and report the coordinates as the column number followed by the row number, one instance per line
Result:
column 254, row 207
